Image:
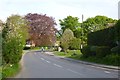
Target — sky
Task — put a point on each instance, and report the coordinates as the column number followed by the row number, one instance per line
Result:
column 60, row 9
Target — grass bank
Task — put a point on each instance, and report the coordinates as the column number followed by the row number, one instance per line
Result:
column 112, row 59
column 10, row 70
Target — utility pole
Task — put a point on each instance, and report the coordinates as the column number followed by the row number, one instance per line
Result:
column 82, row 33
column 119, row 10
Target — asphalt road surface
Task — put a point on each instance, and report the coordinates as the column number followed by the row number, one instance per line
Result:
column 39, row 65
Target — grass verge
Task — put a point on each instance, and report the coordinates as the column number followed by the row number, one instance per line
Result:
column 112, row 59
column 10, row 71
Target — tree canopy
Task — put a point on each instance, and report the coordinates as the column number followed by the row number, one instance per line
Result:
column 97, row 23
column 42, row 29
column 69, row 22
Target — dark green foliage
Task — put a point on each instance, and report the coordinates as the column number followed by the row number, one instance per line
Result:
column 93, row 48
column 117, row 32
column 113, row 59
column 107, row 37
column 102, row 38
column 102, row 51
column 74, row 44
column 116, row 50
column 86, row 51
column 98, row 51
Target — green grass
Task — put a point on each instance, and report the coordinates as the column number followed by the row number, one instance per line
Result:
column 112, row 59
column 59, row 53
column 10, row 71
column 35, row 48
column 70, row 53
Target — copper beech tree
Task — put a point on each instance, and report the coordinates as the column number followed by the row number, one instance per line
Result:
column 42, row 29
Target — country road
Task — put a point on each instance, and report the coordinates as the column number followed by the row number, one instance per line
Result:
column 39, row 65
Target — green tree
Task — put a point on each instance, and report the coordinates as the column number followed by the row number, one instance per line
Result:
column 70, row 22
column 97, row 23
column 14, row 37
column 75, row 44
column 117, row 32
column 65, row 39
column 93, row 24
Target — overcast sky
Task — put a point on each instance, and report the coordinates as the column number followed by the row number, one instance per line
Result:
column 59, row 9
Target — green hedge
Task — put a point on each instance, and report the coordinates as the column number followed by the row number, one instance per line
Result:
column 86, row 51
column 98, row 51
column 105, row 37
column 102, row 51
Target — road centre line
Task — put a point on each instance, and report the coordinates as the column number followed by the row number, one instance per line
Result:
column 47, row 61
column 106, row 71
column 42, row 59
column 74, row 71
column 57, row 65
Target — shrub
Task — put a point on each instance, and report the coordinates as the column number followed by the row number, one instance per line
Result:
column 86, row 51
column 14, row 36
column 74, row 44
column 65, row 39
column 12, row 51
column 116, row 50
column 113, row 59
column 102, row 51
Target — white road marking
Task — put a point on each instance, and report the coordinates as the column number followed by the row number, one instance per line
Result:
column 48, row 61
column 57, row 65
column 74, row 71
column 42, row 59
column 106, row 71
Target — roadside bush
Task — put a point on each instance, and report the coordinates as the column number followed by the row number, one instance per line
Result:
column 12, row 51
column 116, row 50
column 113, row 59
column 74, row 44
column 102, row 51
column 14, row 36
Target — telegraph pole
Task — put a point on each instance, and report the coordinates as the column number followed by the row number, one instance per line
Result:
column 82, row 33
